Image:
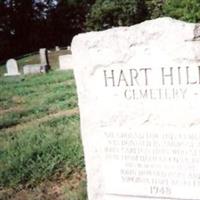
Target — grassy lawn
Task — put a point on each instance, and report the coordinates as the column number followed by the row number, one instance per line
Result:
column 41, row 155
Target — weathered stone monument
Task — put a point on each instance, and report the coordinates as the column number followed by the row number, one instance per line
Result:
column 139, row 99
column 66, row 62
column 44, row 60
column 43, row 67
column 12, row 68
column 34, row 69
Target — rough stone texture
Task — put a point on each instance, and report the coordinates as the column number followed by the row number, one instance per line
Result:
column 197, row 32
column 139, row 94
column 12, row 68
column 34, row 69
column 66, row 62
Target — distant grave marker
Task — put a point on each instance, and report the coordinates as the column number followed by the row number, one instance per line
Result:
column 44, row 60
column 65, row 62
column 12, row 68
column 57, row 48
column 139, row 98
column 34, row 69
column 43, row 67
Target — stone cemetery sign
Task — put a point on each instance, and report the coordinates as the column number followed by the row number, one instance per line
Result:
column 65, row 62
column 139, row 99
column 12, row 68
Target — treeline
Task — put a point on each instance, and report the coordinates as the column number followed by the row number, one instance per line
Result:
column 27, row 25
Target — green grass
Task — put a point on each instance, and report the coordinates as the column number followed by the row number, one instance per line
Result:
column 35, row 153
column 36, row 96
column 39, row 149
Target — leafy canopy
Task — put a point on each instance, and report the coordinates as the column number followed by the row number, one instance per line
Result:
column 105, row 13
column 187, row 10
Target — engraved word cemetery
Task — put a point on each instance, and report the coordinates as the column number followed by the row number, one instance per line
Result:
column 139, row 99
column 132, row 78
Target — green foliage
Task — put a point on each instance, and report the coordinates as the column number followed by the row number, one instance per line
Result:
column 155, row 8
column 37, row 24
column 21, row 22
column 187, row 10
column 105, row 13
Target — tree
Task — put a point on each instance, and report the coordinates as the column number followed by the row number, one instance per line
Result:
column 105, row 13
column 187, row 10
column 22, row 23
column 67, row 20
column 155, row 8
column 27, row 25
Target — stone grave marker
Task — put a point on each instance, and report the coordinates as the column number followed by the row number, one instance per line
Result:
column 139, row 99
column 57, row 48
column 12, row 68
column 65, row 62
column 43, row 67
column 44, row 60
column 34, row 69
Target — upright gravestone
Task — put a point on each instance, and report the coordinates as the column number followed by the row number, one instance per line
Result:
column 12, row 68
column 44, row 60
column 65, row 62
column 57, row 48
column 139, row 95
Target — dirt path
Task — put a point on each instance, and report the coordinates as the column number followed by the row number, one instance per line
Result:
column 61, row 188
column 35, row 122
column 13, row 109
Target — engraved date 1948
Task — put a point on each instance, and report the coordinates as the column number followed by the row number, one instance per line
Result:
column 156, row 190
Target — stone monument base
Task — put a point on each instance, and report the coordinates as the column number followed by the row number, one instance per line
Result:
column 7, row 74
column 35, row 69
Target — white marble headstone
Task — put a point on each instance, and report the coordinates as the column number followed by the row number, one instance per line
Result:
column 139, row 99
column 12, row 68
column 66, row 62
